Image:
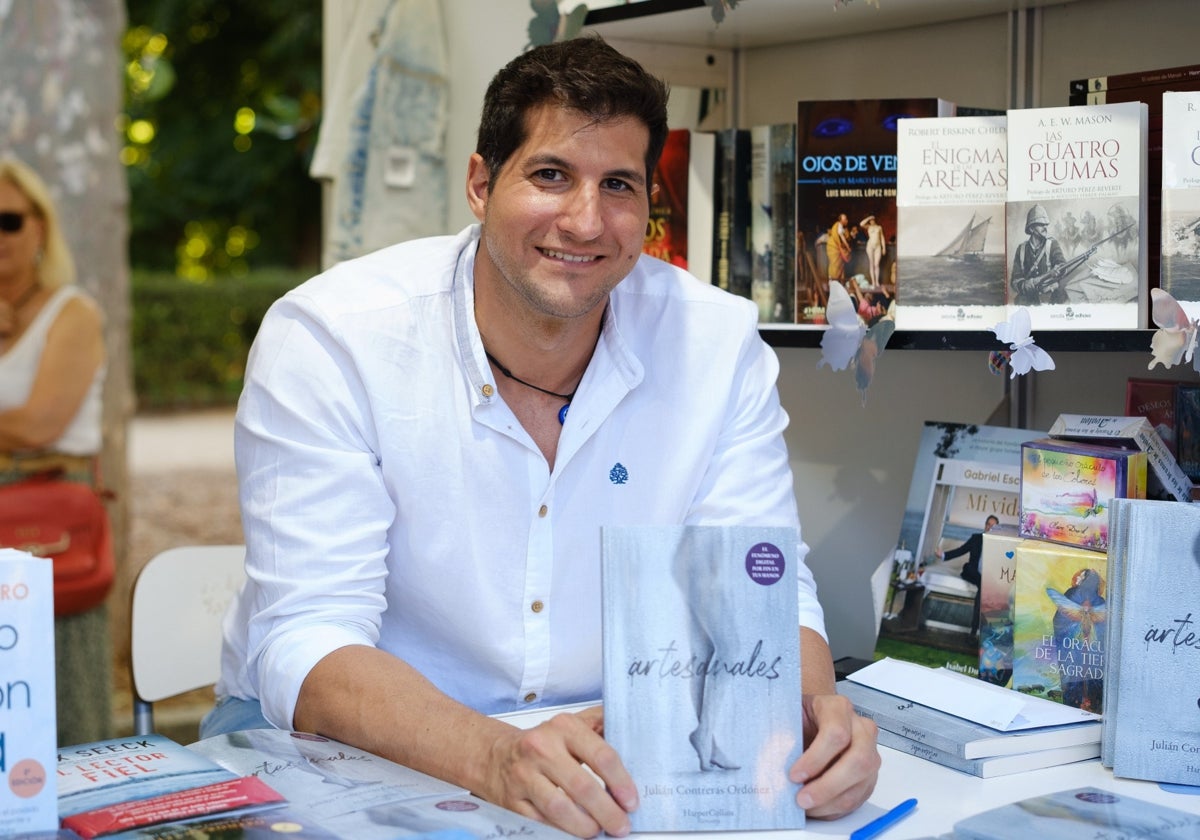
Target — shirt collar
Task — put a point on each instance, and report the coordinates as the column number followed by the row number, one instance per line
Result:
column 470, row 343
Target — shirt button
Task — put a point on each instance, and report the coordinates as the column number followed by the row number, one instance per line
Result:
column 488, row 390
column 530, row 697
column 537, row 606
column 543, row 510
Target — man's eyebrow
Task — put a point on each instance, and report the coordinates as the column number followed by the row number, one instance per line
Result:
column 636, row 176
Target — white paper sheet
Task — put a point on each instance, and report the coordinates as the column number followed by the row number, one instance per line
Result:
column 965, row 697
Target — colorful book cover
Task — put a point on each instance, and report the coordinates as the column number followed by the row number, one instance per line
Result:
column 1076, row 222
column 1067, row 486
column 1059, row 620
column 701, row 673
column 1156, row 727
column 279, row 824
column 244, row 795
column 904, row 632
column 1153, row 399
column 845, row 229
column 1179, row 269
column 957, row 736
column 667, row 229
column 102, row 773
column 28, row 801
column 951, row 186
column 1080, row 814
column 991, row 766
column 998, row 577
column 732, row 257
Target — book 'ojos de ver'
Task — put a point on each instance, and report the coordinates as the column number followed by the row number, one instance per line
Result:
column 702, row 673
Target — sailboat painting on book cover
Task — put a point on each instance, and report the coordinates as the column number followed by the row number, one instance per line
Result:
column 702, row 674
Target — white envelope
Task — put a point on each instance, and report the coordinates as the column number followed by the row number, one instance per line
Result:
column 965, row 697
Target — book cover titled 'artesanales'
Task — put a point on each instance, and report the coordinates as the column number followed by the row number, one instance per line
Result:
column 702, row 674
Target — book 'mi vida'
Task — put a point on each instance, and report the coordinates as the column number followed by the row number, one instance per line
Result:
column 27, row 712
column 702, row 673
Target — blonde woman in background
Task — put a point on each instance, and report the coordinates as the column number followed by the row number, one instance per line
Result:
column 52, row 366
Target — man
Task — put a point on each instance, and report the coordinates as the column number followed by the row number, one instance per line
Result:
column 973, row 548
column 430, row 438
column 1037, row 263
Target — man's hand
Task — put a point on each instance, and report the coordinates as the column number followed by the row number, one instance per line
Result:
column 841, row 760
column 541, row 773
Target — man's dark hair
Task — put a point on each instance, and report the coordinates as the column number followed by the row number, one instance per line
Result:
column 583, row 74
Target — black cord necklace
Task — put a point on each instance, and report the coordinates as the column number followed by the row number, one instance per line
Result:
column 562, row 412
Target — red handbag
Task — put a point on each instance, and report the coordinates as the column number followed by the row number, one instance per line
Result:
column 67, row 522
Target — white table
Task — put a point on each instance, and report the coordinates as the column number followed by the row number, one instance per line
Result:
column 944, row 796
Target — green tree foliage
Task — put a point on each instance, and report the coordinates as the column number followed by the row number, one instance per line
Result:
column 222, row 109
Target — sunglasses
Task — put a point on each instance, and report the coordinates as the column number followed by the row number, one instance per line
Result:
column 11, row 222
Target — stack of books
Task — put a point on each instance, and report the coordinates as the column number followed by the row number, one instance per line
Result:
column 1014, row 744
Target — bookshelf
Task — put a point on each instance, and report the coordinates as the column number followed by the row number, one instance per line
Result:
column 680, row 40
column 852, row 457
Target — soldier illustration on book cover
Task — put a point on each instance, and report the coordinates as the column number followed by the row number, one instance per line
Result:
column 1073, row 251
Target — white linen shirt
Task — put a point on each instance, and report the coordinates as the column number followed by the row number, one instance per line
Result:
column 391, row 498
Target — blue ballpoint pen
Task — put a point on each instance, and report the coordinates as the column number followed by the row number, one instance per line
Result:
column 881, row 824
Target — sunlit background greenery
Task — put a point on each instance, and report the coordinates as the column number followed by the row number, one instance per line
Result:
column 223, row 105
column 222, row 109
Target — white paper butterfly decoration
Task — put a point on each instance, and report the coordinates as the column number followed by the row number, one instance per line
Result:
column 849, row 341
column 1175, row 341
column 841, row 341
column 1023, row 354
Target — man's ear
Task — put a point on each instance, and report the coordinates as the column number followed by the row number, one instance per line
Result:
column 478, row 182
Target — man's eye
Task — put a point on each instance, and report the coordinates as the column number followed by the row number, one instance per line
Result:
column 548, row 175
column 617, row 185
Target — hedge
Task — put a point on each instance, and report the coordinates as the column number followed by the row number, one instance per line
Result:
column 190, row 340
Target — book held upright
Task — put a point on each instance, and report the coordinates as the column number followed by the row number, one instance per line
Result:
column 28, row 798
column 701, row 673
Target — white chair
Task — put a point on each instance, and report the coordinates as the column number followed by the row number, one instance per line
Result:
column 179, row 601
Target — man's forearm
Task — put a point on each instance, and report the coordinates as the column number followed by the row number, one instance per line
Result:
column 370, row 699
